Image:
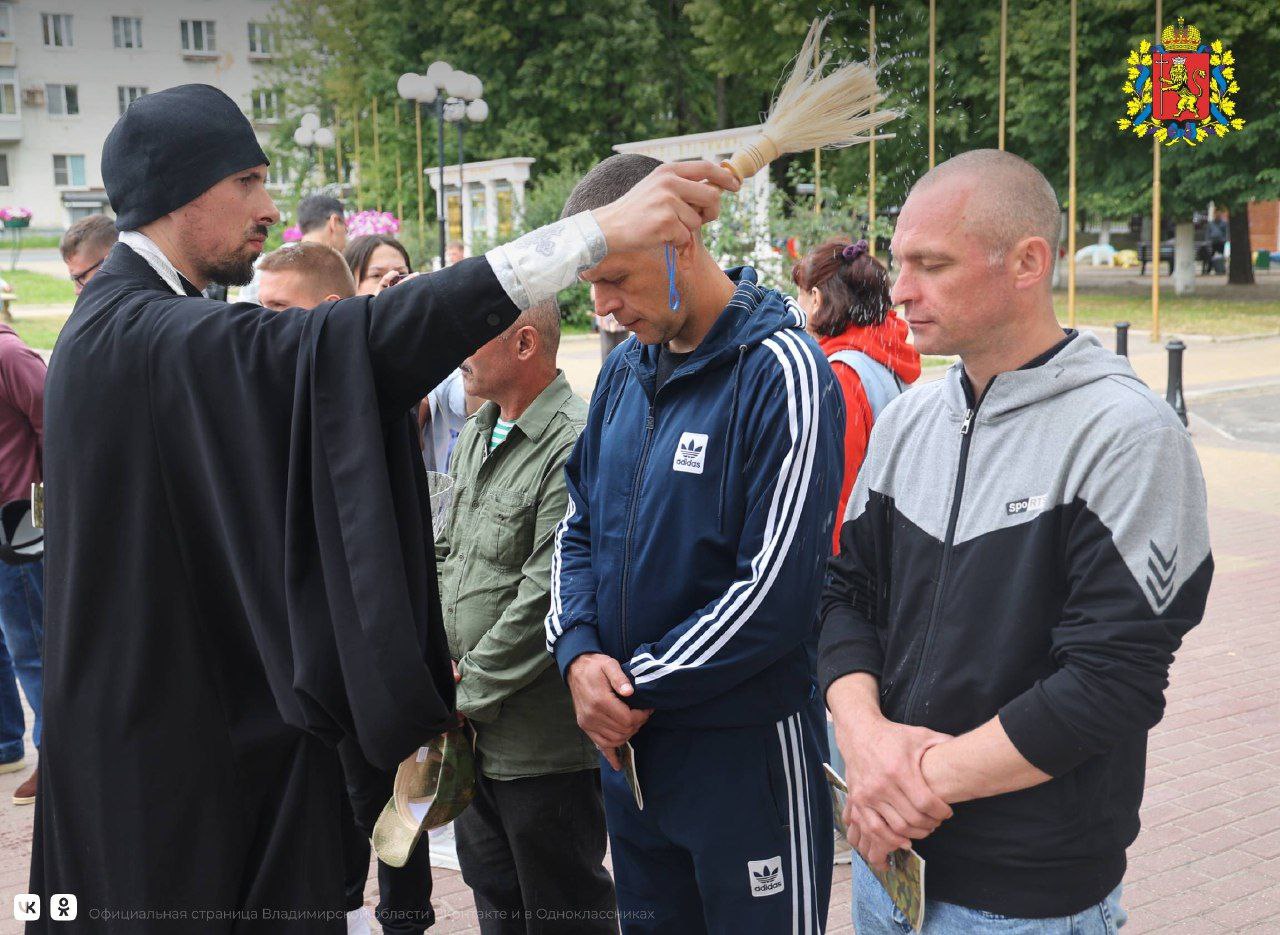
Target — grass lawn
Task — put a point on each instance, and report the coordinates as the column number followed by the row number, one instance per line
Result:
column 36, row 242
column 39, row 333
column 1104, row 297
column 39, row 288
column 1216, row 309
column 1178, row 314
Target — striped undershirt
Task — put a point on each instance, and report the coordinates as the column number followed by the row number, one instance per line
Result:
column 500, row 430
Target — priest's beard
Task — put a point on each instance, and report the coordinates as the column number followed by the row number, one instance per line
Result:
column 234, row 268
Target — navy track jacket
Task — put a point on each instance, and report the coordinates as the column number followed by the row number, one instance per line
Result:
column 700, row 516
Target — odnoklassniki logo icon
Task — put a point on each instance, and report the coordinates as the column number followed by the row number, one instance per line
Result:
column 1180, row 91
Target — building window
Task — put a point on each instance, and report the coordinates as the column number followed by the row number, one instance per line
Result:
column 57, row 29
column 62, row 100
column 127, row 31
column 6, row 20
column 476, row 220
column 198, row 35
column 263, row 39
column 505, row 198
column 68, row 170
column 266, row 106
column 454, row 214
column 126, row 95
column 4, row 170
column 8, row 92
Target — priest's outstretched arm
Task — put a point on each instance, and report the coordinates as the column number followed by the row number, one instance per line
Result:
column 280, row 475
column 464, row 305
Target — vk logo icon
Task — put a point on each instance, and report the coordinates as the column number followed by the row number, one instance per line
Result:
column 26, row 907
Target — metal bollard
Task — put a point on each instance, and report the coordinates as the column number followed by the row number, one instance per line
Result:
column 1173, row 393
column 1122, row 338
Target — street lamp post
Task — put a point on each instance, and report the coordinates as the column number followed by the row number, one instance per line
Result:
column 441, row 75
column 310, row 135
column 440, row 83
column 465, row 105
column 418, row 90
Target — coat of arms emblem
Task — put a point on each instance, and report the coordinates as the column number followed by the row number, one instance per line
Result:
column 1180, row 91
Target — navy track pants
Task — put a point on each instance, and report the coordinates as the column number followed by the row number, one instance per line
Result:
column 736, row 833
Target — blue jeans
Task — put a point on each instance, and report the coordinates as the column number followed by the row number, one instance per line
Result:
column 22, row 624
column 12, row 723
column 875, row 914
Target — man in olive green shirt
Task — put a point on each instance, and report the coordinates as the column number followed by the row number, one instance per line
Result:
column 532, row 843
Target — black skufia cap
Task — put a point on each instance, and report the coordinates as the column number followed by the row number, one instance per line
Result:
column 172, row 146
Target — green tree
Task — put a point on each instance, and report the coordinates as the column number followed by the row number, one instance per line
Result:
column 565, row 81
column 1242, row 166
column 1114, row 169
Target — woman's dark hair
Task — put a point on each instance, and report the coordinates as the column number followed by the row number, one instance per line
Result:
column 360, row 249
column 853, row 286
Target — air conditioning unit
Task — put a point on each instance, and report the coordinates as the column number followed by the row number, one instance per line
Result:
column 33, row 96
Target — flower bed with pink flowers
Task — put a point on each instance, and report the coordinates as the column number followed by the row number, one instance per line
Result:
column 372, row 222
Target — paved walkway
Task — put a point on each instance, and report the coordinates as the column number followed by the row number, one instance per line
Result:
column 1208, row 858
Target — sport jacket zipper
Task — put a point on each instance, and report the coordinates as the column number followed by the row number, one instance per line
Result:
column 635, row 500
column 631, row 517
column 939, row 588
column 681, row 372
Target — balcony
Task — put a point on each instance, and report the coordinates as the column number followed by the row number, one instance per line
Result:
column 10, row 129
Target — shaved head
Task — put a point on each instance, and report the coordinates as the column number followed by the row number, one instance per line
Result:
column 1008, row 201
column 545, row 319
column 975, row 247
column 515, row 359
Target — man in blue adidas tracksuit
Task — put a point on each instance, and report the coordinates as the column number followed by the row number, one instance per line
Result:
column 685, row 583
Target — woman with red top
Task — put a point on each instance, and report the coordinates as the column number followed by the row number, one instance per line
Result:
column 845, row 292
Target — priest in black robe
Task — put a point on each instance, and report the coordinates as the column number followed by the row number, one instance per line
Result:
column 239, row 571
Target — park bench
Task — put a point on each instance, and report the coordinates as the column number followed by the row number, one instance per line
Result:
column 1144, row 255
column 1200, row 252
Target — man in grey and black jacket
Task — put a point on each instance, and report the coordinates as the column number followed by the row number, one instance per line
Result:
column 1024, row 551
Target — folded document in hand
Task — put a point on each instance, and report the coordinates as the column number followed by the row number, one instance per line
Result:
column 904, row 880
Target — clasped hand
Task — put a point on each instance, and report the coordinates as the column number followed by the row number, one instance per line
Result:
column 598, row 686
column 889, row 803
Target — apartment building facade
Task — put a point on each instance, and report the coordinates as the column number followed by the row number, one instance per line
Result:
column 69, row 68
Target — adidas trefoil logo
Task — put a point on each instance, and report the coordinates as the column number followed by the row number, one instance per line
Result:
column 765, row 876
column 1162, row 571
column 691, row 453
